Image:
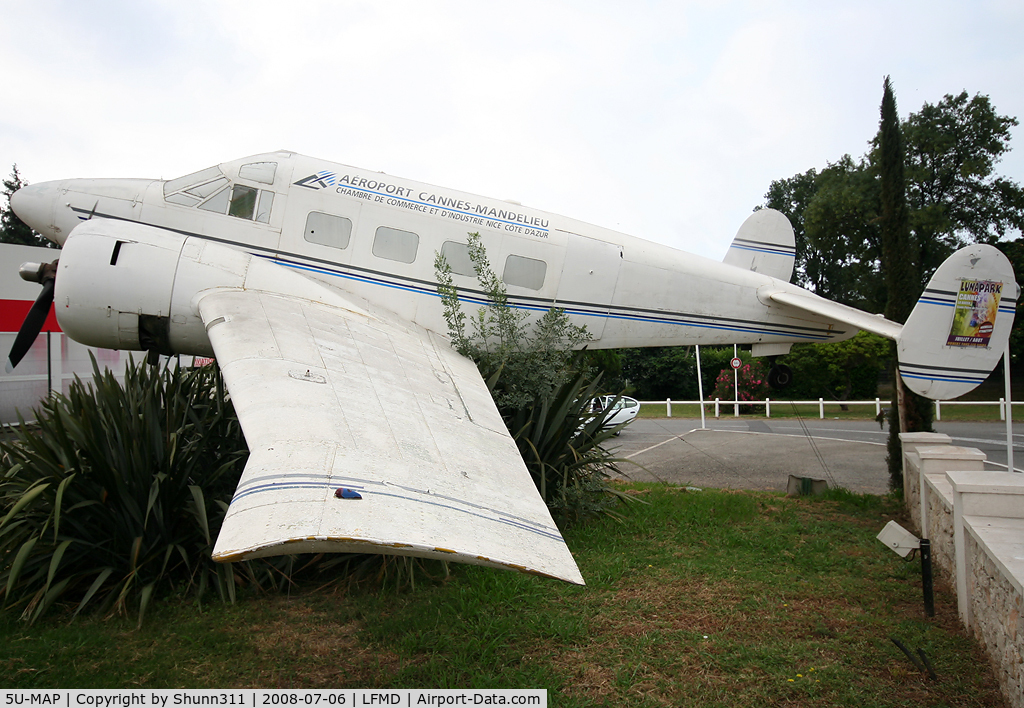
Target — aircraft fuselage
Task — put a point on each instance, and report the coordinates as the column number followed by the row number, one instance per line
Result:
column 375, row 236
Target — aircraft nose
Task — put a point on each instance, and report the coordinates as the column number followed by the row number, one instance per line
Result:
column 34, row 204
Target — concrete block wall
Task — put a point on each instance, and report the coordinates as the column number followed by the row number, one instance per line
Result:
column 911, row 468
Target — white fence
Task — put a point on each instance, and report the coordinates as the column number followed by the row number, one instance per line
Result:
column 821, row 403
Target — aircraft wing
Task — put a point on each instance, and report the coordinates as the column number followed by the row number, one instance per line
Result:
column 814, row 304
column 334, row 398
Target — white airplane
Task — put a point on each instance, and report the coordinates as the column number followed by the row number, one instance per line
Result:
column 312, row 284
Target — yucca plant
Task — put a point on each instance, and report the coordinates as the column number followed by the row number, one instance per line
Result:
column 562, row 445
column 117, row 492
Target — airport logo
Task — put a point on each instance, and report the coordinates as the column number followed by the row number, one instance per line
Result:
column 321, row 180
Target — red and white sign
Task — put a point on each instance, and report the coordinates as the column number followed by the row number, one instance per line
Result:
column 736, row 362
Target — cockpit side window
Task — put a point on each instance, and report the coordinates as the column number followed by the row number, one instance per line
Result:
column 207, row 188
column 265, row 205
column 243, row 201
column 218, row 202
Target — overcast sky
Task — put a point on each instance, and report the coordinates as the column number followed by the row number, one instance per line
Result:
column 666, row 120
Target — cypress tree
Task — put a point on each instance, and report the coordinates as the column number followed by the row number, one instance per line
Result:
column 903, row 286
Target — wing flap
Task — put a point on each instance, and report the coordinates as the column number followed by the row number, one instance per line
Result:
column 334, row 398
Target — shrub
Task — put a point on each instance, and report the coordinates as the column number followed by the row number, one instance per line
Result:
column 118, row 492
column 540, row 385
column 752, row 384
column 533, row 358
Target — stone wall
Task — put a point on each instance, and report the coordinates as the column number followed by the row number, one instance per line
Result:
column 998, row 625
column 940, row 529
column 975, row 522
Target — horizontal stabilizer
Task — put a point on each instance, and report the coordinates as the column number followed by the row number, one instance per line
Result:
column 764, row 244
column 809, row 302
column 960, row 325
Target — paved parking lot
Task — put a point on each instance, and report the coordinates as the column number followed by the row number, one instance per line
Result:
column 760, row 453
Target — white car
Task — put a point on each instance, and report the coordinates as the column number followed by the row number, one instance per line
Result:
column 624, row 409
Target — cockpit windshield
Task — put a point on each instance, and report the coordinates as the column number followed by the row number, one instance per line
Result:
column 210, row 190
column 195, row 181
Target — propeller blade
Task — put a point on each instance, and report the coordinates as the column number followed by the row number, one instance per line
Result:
column 32, row 326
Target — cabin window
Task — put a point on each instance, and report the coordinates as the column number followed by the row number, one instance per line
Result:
column 457, row 255
column 328, row 230
column 243, row 201
column 525, row 272
column 395, row 245
column 262, row 172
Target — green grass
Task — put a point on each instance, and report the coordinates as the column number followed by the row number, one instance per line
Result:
column 716, row 598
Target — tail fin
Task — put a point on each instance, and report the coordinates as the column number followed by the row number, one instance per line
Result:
column 765, row 244
column 959, row 328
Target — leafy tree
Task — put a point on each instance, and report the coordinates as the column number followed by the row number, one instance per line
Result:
column 838, row 371
column 953, row 193
column 953, row 197
column 841, row 226
column 1014, row 251
column 833, row 213
column 657, row 373
column 846, row 370
column 871, row 233
column 610, row 363
column 13, row 229
column 792, row 197
column 898, row 263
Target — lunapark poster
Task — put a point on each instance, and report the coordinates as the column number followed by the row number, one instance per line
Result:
column 974, row 314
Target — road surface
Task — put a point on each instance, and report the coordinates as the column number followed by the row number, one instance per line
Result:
column 761, row 453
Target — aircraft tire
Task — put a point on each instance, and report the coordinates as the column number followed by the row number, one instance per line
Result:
column 780, row 377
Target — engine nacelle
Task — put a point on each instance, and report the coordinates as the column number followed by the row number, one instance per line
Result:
column 123, row 285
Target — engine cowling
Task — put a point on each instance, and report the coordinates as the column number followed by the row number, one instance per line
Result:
column 124, row 285
column 115, row 289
